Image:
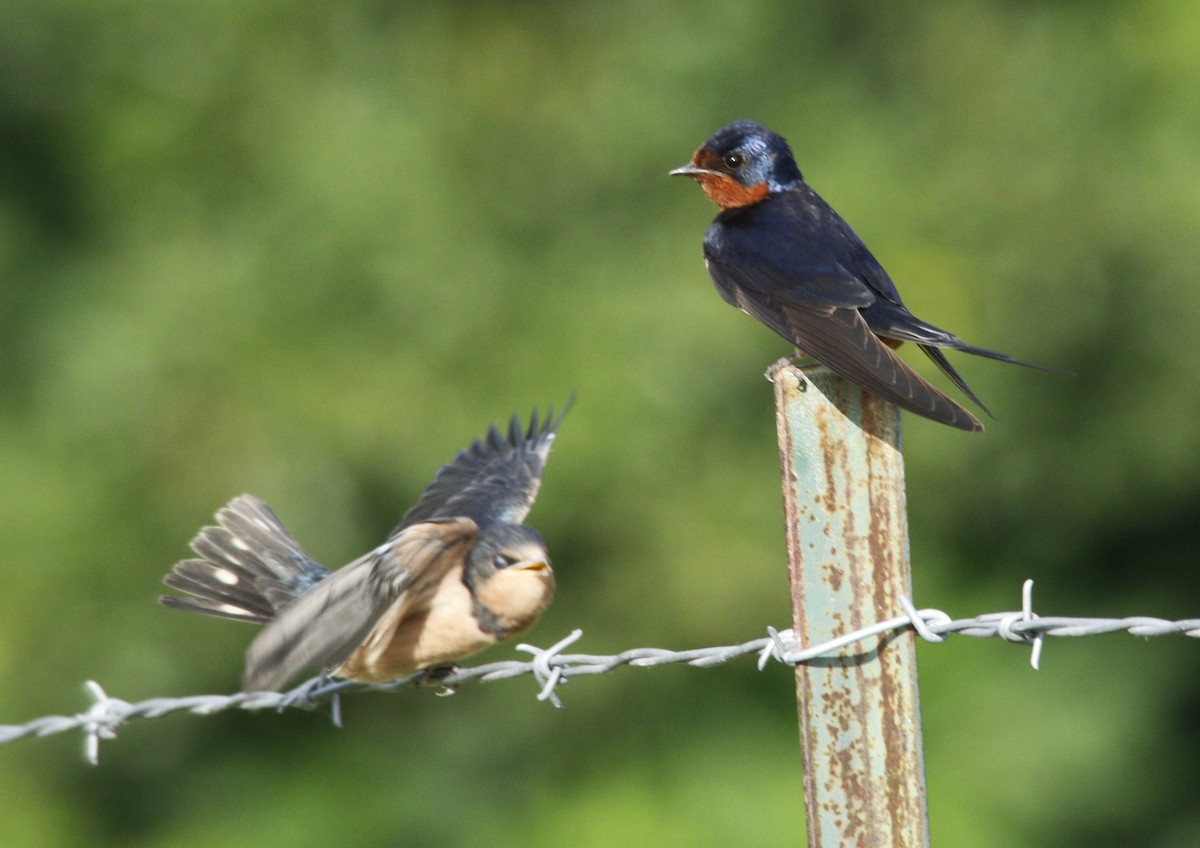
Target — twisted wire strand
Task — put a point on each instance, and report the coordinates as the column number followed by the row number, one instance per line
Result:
column 551, row 668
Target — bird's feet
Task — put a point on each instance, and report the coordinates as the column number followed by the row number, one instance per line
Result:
column 436, row 676
column 778, row 365
column 797, row 359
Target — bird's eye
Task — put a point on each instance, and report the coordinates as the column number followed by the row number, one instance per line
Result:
column 501, row 561
column 734, row 160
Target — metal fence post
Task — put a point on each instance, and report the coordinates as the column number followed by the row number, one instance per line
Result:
column 847, row 535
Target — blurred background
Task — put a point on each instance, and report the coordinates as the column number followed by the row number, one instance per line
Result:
column 309, row 251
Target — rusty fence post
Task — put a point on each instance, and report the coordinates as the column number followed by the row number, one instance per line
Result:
column 847, row 535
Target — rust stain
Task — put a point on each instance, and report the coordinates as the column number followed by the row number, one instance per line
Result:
column 903, row 790
column 791, row 512
column 860, row 735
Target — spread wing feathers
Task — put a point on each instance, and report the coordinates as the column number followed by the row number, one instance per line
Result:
column 495, row 479
column 250, row 567
column 324, row 626
column 841, row 340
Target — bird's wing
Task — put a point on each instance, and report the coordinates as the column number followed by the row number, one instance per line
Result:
column 493, row 480
column 841, row 340
column 830, row 286
column 794, row 247
column 762, row 292
column 325, row 625
column 783, row 262
column 780, row 268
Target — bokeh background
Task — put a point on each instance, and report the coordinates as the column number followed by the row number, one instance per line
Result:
column 311, row 250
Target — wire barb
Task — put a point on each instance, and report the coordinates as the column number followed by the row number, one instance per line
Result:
column 922, row 619
column 101, row 720
column 777, row 646
column 550, row 676
column 551, row 668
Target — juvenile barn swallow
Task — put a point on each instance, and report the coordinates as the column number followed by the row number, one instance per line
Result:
column 780, row 253
column 459, row 574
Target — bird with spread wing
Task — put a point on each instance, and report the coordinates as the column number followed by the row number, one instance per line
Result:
column 460, row 573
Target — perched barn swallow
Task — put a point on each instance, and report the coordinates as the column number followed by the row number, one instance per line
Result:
column 459, row 573
column 780, row 253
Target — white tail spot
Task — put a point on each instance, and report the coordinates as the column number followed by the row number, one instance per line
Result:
column 226, row 576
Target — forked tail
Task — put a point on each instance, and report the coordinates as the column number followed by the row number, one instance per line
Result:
column 250, row 566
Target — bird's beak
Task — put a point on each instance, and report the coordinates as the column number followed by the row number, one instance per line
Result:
column 690, row 170
column 534, row 565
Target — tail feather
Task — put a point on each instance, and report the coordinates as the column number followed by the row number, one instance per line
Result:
column 940, row 360
column 1004, row 357
column 895, row 322
column 205, row 602
column 250, row 567
column 236, row 596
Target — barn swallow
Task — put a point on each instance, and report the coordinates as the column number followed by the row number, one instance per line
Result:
column 457, row 575
column 780, row 253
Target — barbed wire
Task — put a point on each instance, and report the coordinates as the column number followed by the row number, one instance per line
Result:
column 551, row 668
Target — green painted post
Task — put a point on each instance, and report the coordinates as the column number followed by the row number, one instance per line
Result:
column 847, row 535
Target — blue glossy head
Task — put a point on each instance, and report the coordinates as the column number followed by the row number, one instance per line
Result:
column 741, row 163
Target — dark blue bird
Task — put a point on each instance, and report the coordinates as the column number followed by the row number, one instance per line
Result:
column 780, row 253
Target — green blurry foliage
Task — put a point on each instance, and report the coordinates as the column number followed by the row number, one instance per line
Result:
column 311, row 251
